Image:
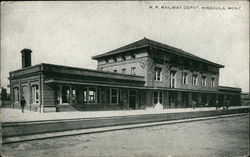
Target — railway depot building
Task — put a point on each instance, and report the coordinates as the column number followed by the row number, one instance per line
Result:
column 142, row 75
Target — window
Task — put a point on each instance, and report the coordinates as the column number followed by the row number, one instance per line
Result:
column 158, row 74
column 85, row 95
column 184, row 78
column 123, row 58
column 35, row 94
column 194, row 79
column 132, row 56
column 158, row 97
column 115, row 71
column 172, row 79
column 73, row 98
column 92, row 95
column 16, row 94
column 58, row 95
column 133, row 71
column 203, row 81
column 124, row 71
column 213, row 82
column 114, row 96
column 114, row 59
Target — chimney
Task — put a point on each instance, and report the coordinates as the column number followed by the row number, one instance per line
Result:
column 26, row 58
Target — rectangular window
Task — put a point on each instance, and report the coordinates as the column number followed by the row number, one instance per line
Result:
column 85, row 100
column 158, row 97
column 35, row 94
column 203, row 81
column 213, row 82
column 92, row 95
column 158, row 74
column 172, row 79
column 194, row 79
column 124, row 71
column 73, row 98
column 114, row 96
column 184, row 78
column 114, row 59
column 58, row 95
column 133, row 71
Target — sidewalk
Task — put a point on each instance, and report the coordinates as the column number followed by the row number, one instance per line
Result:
column 15, row 115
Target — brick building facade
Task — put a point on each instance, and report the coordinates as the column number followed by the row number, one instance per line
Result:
column 144, row 74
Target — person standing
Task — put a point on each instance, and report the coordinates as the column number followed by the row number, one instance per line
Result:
column 23, row 103
column 217, row 104
column 193, row 104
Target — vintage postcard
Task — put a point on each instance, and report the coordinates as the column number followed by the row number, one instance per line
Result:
column 125, row 78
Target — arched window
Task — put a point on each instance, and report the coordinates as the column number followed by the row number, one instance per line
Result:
column 16, row 94
column 35, row 94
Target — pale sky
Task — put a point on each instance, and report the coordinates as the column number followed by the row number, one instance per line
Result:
column 69, row 33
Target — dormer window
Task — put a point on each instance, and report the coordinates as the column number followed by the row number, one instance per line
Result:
column 133, row 71
column 158, row 74
column 203, row 81
column 172, row 79
column 184, row 77
column 213, row 82
column 194, row 79
column 124, row 71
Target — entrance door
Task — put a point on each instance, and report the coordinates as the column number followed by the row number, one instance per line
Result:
column 65, row 94
column 132, row 99
column 185, row 100
column 26, row 96
column 172, row 99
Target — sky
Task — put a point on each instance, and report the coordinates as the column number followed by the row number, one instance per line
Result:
column 70, row 33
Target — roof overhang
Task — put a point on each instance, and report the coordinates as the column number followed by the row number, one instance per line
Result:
column 117, row 52
column 90, row 84
column 51, row 81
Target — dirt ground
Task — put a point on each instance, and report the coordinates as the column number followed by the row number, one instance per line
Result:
column 227, row 137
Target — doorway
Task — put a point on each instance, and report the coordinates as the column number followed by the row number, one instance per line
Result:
column 25, row 94
column 172, row 99
column 65, row 94
column 132, row 99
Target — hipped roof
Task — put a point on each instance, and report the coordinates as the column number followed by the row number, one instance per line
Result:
column 151, row 43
